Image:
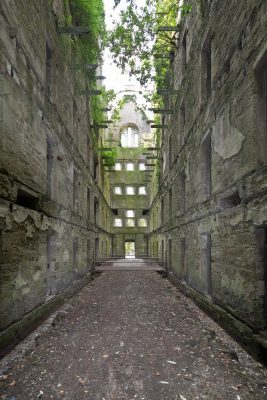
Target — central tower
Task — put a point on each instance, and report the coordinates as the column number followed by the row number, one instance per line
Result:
column 129, row 180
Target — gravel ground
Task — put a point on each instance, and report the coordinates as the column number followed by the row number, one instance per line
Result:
column 130, row 336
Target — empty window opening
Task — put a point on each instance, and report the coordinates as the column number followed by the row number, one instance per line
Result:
column 115, row 211
column 27, row 200
column 184, row 53
column 96, row 211
column 48, row 70
column 88, row 203
column 117, row 222
column 142, row 167
column 145, row 212
column 130, row 213
column 231, row 201
column 49, row 166
column 118, row 166
column 130, row 222
column 142, row 223
column 142, row 190
column 206, row 166
column 162, row 211
column 170, row 152
column 51, row 263
column 206, row 70
column 129, row 167
column 182, row 191
column 169, row 266
column 130, row 137
column 129, row 249
column 261, row 260
column 75, row 255
column 182, row 124
column 261, row 75
column 205, row 261
column 183, row 271
column 170, row 204
column 117, row 190
column 75, row 190
column 130, row 190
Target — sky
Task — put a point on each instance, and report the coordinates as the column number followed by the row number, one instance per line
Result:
column 114, row 78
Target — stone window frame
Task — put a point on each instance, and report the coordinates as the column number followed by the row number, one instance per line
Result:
column 117, row 222
column 130, row 222
column 141, row 225
column 122, row 131
column 144, row 166
column 128, row 187
column 120, row 166
column 130, row 166
column 115, row 189
column 139, row 190
column 131, row 212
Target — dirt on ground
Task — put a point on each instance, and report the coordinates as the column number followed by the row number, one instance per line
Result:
column 130, row 335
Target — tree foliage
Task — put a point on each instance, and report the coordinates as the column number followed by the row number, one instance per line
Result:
column 136, row 38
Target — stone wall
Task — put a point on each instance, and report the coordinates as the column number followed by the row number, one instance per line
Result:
column 54, row 207
column 136, row 178
column 209, row 217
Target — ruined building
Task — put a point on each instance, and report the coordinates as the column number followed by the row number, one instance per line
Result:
column 196, row 201
column 54, row 207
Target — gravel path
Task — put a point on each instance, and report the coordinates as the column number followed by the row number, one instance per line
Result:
column 131, row 335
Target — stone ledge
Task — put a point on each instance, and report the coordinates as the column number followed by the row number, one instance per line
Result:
column 20, row 329
column 253, row 342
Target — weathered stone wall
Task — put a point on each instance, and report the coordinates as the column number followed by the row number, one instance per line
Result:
column 54, row 208
column 138, row 203
column 211, row 208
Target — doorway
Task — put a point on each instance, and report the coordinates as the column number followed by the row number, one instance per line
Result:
column 129, row 249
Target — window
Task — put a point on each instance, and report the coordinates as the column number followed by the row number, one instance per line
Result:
column 130, row 190
column 130, row 213
column 88, row 203
column 170, row 204
column 117, row 190
column 118, row 166
column 130, row 137
column 206, row 70
column 117, row 222
column 129, row 167
column 48, row 69
column 184, row 51
column 142, row 222
column 206, row 166
column 182, row 191
column 261, row 116
column 142, row 190
column 142, row 166
column 130, row 222
column 182, row 124
column 75, row 190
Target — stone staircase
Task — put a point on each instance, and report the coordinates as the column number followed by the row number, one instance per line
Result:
column 128, row 264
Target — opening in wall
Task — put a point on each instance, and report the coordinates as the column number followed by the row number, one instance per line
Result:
column 27, row 200
column 182, row 192
column 48, row 69
column 206, row 166
column 183, row 271
column 205, row 260
column 184, row 53
column 182, row 124
column 261, row 246
column 231, row 201
column 261, row 117
column 206, row 77
column 130, row 249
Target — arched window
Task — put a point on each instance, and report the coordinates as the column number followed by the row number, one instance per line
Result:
column 130, row 136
